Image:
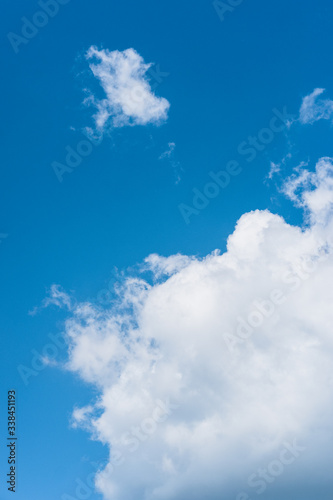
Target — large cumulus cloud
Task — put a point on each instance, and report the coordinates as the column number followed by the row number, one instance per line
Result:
column 207, row 369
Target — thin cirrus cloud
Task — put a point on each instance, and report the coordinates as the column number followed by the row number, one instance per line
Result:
column 57, row 297
column 129, row 98
column 313, row 108
column 169, row 155
column 238, row 374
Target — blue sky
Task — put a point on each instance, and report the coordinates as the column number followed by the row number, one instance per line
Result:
column 223, row 80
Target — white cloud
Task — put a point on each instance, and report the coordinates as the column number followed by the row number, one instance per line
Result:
column 167, row 341
column 80, row 417
column 166, row 265
column 169, row 154
column 314, row 109
column 129, row 99
column 313, row 190
column 275, row 168
column 56, row 297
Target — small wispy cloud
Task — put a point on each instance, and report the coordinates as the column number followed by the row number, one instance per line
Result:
column 56, row 297
column 275, row 168
column 169, row 154
column 314, row 109
column 80, row 416
column 129, row 98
